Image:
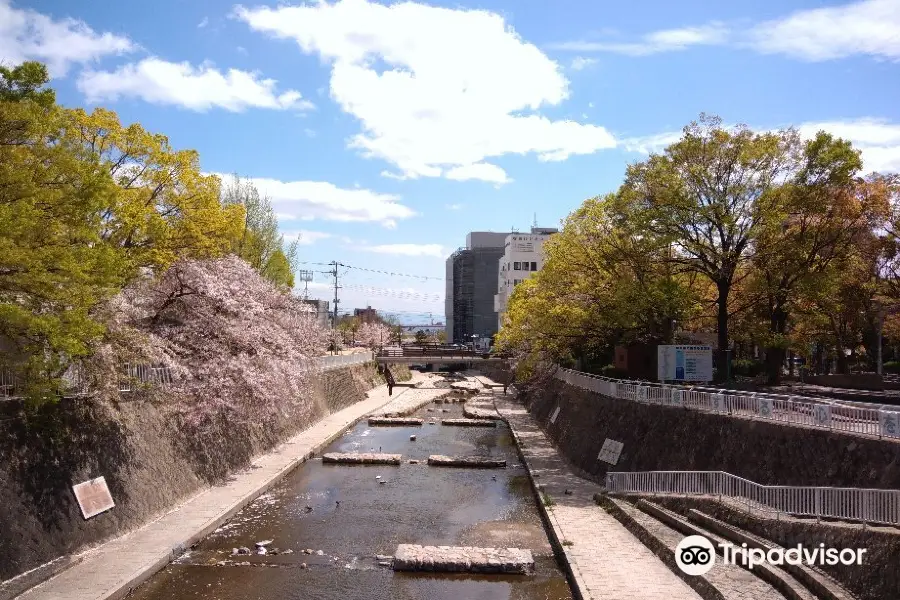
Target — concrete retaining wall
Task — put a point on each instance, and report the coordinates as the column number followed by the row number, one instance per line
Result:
column 670, row 438
column 149, row 464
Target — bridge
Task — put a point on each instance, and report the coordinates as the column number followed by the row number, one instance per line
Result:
column 435, row 355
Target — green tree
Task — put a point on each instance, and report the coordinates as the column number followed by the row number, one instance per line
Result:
column 702, row 195
column 421, row 337
column 259, row 242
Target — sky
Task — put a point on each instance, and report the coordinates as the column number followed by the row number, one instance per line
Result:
column 383, row 132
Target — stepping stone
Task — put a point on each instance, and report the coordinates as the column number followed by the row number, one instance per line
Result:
column 462, row 559
column 469, row 422
column 396, row 421
column 361, row 458
column 439, row 460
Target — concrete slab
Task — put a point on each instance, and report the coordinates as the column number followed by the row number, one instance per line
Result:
column 469, row 422
column 361, row 458
column 462, row 559
column 439, row 460
column 394, row 421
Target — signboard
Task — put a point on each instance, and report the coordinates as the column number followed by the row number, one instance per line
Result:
column 610, row 451
column 718, row 402
column 93, row 497
column 766, row 409
column 677, row 398
column 890, row 423
column 554, row 415
column 822, row 415
column 684, row 363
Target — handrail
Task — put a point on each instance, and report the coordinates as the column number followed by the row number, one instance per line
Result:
column 858, row 418
column 868, row 505
column 162, row 375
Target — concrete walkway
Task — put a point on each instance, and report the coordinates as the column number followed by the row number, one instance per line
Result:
column 605, row 560
column 111, row 570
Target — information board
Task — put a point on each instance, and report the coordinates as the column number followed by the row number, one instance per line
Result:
column 93, row 497
column 684, row 363
column 611, row 451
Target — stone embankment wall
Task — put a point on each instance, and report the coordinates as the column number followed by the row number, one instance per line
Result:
column 675, row 439
column 149, row 463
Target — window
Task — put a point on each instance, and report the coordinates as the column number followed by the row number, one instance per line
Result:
column 517, row 266
column 534, row 266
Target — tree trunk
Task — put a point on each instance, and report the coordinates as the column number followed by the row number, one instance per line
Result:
column 723, row 362
column 775, row 355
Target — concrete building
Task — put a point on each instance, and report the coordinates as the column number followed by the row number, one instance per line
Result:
column 366, row 315
column 522, row 255
column 323, row 314
column 471, row 281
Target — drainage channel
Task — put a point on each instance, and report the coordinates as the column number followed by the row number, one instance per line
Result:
column 327, row 529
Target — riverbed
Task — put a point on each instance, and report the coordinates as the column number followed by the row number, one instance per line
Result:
column 328, row 523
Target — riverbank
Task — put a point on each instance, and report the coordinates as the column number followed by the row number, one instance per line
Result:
column 112, row 570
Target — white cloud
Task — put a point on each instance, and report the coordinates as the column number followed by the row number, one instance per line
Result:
column 408, row 249
column 195, row 88
column 454, row 206
column 203, row 23
column 871, row 27
column 667, row 40
column 29, row 35
column 304, row 237
column 877, row 139
column 241, row 50
column 310, row 200
column 482, row 171
column 580, row 63
column 311, row 133
column 434, row 89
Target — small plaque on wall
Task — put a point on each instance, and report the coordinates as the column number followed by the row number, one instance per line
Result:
column 610, row 451
column 554, row 415
column 93, row 497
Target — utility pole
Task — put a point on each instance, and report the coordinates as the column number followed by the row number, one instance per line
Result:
column 305, row 277
column 334, row 273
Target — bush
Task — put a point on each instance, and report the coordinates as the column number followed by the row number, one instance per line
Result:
column 613, row 372
column 747, row 367
column 891, row 366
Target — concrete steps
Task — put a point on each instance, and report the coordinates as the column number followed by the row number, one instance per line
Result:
column 722, row 582
column 818, row 583
column 439, row 460
column 361, row 458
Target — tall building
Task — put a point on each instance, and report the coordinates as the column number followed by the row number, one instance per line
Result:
column 366, row 315
column 522, row 255
column 471, row 280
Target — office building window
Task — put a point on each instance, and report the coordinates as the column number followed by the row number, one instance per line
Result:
column 534, row 266
column 517, row 266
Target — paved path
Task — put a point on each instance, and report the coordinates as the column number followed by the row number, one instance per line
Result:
column 606, row 561
column 111, row 570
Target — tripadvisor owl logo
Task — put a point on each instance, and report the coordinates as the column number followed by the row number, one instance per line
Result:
column 695, row 555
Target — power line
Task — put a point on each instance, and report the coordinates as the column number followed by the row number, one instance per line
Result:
column 390, row 273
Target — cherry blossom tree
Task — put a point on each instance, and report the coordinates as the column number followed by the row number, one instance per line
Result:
column 374, row 335
column 238, row 346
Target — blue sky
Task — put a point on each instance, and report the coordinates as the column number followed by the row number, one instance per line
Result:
column 384, row 132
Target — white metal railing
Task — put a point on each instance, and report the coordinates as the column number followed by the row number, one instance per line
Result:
column 854, row 504
column 858, row 418
column 132, row 375
column 326, row 363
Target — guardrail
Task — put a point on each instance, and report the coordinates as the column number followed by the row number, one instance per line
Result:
column 854, row 504
column 326, row 363
column 132, row 375
column 858, row 418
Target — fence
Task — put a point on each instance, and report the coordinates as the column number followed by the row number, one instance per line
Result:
column 326, row 363
column 134, row 375
column 854, row 504
column 839, row 415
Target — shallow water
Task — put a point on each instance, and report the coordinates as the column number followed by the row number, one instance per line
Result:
column 349, row 515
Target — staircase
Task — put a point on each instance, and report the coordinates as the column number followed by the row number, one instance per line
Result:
column 661, row 529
